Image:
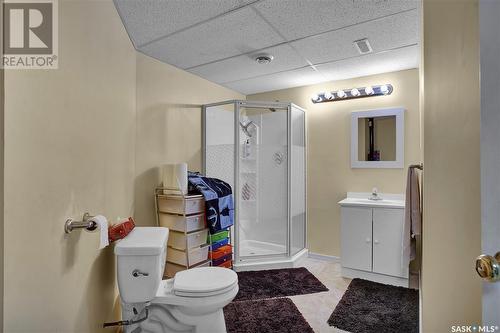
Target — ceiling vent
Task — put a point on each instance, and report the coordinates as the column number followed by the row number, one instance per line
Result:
column 363, row 46
column 263, row 59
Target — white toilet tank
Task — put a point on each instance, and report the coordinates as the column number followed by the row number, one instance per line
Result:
column 140, row 261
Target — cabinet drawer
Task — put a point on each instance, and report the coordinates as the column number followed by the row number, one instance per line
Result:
column 217, row 237
column 172, row 268
column 189, row 257
column 227, row 264
column 193, row 204
column 220, row 243
column 182, row 223
column 179, row 240
column 220, row 252
column 222, row 260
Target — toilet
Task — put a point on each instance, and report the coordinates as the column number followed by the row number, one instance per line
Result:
column 192, row 301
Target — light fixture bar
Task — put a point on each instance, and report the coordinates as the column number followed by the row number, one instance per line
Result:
column 342, row 95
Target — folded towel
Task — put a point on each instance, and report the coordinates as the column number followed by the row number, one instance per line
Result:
column 219, row 206
column 413, row 216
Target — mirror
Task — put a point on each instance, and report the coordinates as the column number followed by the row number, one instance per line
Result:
column 377, row 139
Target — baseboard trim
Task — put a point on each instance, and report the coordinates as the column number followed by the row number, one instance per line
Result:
column 380, row 278
column 324, row 257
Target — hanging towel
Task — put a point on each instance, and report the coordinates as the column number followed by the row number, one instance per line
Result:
column 218, row 196
column 413, row 216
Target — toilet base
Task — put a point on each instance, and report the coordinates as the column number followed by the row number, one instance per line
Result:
column 168, row 319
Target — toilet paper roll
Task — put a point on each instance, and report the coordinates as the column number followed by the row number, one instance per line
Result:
column 175, row 176
column 102, row 226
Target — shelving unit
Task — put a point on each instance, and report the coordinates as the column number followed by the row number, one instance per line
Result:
column 190, row 243
column 189, row 238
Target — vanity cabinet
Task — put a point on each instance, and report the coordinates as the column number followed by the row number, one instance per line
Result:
column 371, row 243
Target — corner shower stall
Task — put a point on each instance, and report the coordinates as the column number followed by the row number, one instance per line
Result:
column 259, row 149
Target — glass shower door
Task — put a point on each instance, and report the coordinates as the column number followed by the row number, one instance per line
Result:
column 298, row 179
column 262, row 173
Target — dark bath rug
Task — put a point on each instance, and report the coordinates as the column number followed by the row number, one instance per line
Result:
column 277, row 283
column 276, row 315
column 370, row 307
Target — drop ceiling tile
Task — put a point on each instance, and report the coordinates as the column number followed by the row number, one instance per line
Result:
column 383, row 34
column 297, row 19
column 283, row 80
column 238, row 32
column 370, row 64
column 147, row 20
column 244, row 66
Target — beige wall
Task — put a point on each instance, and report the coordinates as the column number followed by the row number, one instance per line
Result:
column 69, row 138
column 1, row 190
column 168, row 125
column 87, row 137
column 452, row 216
column 329, row 172
column 2, row 114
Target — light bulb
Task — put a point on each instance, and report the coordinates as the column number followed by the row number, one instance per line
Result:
column 355, row 92
column 384, row 89
column 369, row 91
column 328, row 95
column 341, row 93
column 315, row 98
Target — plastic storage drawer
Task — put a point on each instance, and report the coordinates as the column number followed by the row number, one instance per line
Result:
column 221, row 251
column 175, row 204
column 171, row 268
column 219, row 244
column 220, row 261
column 227, row 264
column 182, row 223
column 179, row 240
column 188, row 258
column 219, row 236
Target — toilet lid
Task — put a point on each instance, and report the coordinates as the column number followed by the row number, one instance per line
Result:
column 203, row 280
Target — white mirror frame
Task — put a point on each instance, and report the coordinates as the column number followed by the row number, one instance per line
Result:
column 400, row 138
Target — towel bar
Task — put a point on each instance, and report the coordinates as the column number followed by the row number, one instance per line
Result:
column 417, row 166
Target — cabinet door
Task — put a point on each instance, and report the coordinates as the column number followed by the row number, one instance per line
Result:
column 387, row 242
column 356, row 238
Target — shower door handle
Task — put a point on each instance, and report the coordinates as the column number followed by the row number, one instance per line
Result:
column 278, row 158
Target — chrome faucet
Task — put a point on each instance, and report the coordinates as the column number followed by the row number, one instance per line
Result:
column 374, row 195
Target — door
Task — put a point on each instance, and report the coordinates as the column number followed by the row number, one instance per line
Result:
column 387, row 240
column 262, row 180
column 297, row 146
column 356, row 238
column 489, row 11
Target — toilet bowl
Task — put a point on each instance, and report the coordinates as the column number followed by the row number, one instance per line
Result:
column 192, row 301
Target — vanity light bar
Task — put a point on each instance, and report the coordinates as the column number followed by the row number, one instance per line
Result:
column 341, row 95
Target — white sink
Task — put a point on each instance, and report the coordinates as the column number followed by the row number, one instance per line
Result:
column 361, row 199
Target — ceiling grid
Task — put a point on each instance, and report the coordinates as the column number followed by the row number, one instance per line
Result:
column 311, row 41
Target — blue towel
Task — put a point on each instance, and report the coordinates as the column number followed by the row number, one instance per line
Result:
column 219, row 206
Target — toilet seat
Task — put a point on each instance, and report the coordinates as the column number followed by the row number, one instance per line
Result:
column 204, row 282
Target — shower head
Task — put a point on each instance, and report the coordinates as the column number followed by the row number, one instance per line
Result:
column 245, row 127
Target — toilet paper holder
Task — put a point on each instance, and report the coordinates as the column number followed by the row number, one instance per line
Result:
column 71, row 224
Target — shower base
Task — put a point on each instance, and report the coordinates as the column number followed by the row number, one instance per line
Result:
column 253, row 256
